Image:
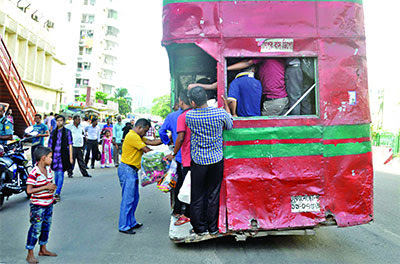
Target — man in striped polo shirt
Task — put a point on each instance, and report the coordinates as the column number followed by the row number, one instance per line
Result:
column 206, row 125
column 41, row 187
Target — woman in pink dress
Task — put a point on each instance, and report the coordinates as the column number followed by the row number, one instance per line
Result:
column 106, row 156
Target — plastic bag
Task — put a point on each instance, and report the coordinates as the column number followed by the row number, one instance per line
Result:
column 184, row 192
column 168, row 182
column 154, row 166
column 154, row 161
column 147, row 178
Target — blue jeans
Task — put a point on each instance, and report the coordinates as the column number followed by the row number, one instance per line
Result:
column 40, row 218
column 129, row 181
column 59, row 180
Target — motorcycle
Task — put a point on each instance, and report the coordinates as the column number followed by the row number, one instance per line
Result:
column 14, row 166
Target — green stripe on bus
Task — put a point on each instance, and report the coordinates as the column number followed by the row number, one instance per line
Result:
column 299, row 132
column 347, row 131
column 344, row 149
column 166, row 2
column 274, row 150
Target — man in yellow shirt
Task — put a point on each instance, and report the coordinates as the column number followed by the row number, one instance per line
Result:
column 132, row 150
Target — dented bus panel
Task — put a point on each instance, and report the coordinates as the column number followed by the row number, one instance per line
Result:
column 295, row 172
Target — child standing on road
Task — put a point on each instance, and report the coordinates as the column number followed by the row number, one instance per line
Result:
column 40, row 185
column 106, row 156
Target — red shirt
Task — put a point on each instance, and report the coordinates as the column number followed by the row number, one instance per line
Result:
column 272, row 77
column 38, row 179
column 185, row 149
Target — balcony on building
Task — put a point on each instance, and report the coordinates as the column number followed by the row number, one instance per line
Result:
column 112, row 33
column 109, row 62
column 108, row 89
column 110, row 48
column 112, row 18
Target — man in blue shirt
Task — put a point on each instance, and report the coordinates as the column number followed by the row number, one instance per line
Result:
column 43, row 131
column 245, row 94
column 206, row 125
column 170, row 124
column 6, row 128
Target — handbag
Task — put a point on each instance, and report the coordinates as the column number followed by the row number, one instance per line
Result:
column 184, row 192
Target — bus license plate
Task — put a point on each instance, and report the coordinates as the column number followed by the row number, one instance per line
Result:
column 306, row 203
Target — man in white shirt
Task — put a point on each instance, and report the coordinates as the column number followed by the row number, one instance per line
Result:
column 117, row 139
column 77, row 131
column 93, row 140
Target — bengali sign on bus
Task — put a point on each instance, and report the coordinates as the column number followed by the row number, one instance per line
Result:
column 276, row 45
column 305, row 203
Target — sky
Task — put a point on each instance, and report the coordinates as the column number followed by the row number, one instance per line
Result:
column 382, row 38
column 143, row 65
column 144, row 62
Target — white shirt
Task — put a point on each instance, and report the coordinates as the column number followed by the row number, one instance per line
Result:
column 85, row 124
column 77, row 135
column 93, row 133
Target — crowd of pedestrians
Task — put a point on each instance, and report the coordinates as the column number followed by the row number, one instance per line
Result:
column 196, row 133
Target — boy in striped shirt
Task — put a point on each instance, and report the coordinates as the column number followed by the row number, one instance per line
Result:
column 41, row 187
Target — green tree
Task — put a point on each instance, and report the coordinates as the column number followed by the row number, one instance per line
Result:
column 124, row 100
column 161, row 106
column 81, row 98
column 102, row 96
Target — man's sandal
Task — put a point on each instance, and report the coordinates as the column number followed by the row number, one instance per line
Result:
column 182, row 220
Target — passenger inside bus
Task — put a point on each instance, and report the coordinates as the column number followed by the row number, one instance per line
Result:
column 284, row 82
column 244, row 84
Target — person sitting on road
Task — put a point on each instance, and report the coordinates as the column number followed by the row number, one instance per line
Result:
column 244, row 96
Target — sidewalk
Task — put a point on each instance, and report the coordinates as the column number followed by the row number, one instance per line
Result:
column 380, row 155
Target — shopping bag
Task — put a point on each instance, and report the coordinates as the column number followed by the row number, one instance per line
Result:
column 184, row 192
column 147, row 178
column 168, row 182
column 153, row 167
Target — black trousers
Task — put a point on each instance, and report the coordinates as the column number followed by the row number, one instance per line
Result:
column 77, row 154
column 206, row 186
column 33, row 156
column 179, row 207
column 294, row 87
column 91, row 147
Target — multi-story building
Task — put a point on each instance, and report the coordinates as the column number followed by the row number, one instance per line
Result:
column 30, row 37
column 96, row 24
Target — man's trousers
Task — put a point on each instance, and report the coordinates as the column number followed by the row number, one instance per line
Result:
column 77, row 155
column 206, row 185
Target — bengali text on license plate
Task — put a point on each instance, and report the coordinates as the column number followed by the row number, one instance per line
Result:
column 305, row 203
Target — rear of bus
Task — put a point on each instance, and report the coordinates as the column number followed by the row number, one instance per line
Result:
column 284, row 172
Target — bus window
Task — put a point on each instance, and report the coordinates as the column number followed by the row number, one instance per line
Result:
column 190, row 64
column 272, row 86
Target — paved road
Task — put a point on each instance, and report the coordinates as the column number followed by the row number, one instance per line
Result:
column 85, row 231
